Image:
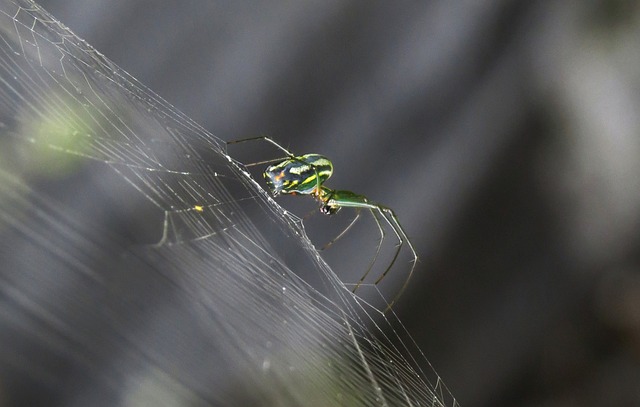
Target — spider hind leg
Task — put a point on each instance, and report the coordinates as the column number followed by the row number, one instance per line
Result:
column 403, row 239
column 375, row 256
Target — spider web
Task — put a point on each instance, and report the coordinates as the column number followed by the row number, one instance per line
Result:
column 141, row 264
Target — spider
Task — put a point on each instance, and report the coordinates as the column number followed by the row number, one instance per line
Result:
column 305, row 175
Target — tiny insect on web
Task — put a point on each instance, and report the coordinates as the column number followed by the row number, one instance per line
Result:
column 306, row 175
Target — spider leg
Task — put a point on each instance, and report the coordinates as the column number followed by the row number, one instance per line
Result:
column 263, row 138
column 348, row 199
column 335, row 239
column 269, row 140
column 394, row 225
column 392, row 220
column 273, row 160
column 375, row 256
column 308, row 215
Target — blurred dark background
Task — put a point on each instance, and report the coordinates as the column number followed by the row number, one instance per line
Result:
column 503, row 133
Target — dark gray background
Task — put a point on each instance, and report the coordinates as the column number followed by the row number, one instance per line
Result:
column 503, row 133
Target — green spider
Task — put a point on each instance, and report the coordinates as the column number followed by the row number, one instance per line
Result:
column 306, row 175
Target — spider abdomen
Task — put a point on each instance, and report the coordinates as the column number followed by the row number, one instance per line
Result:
column 298, row 175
